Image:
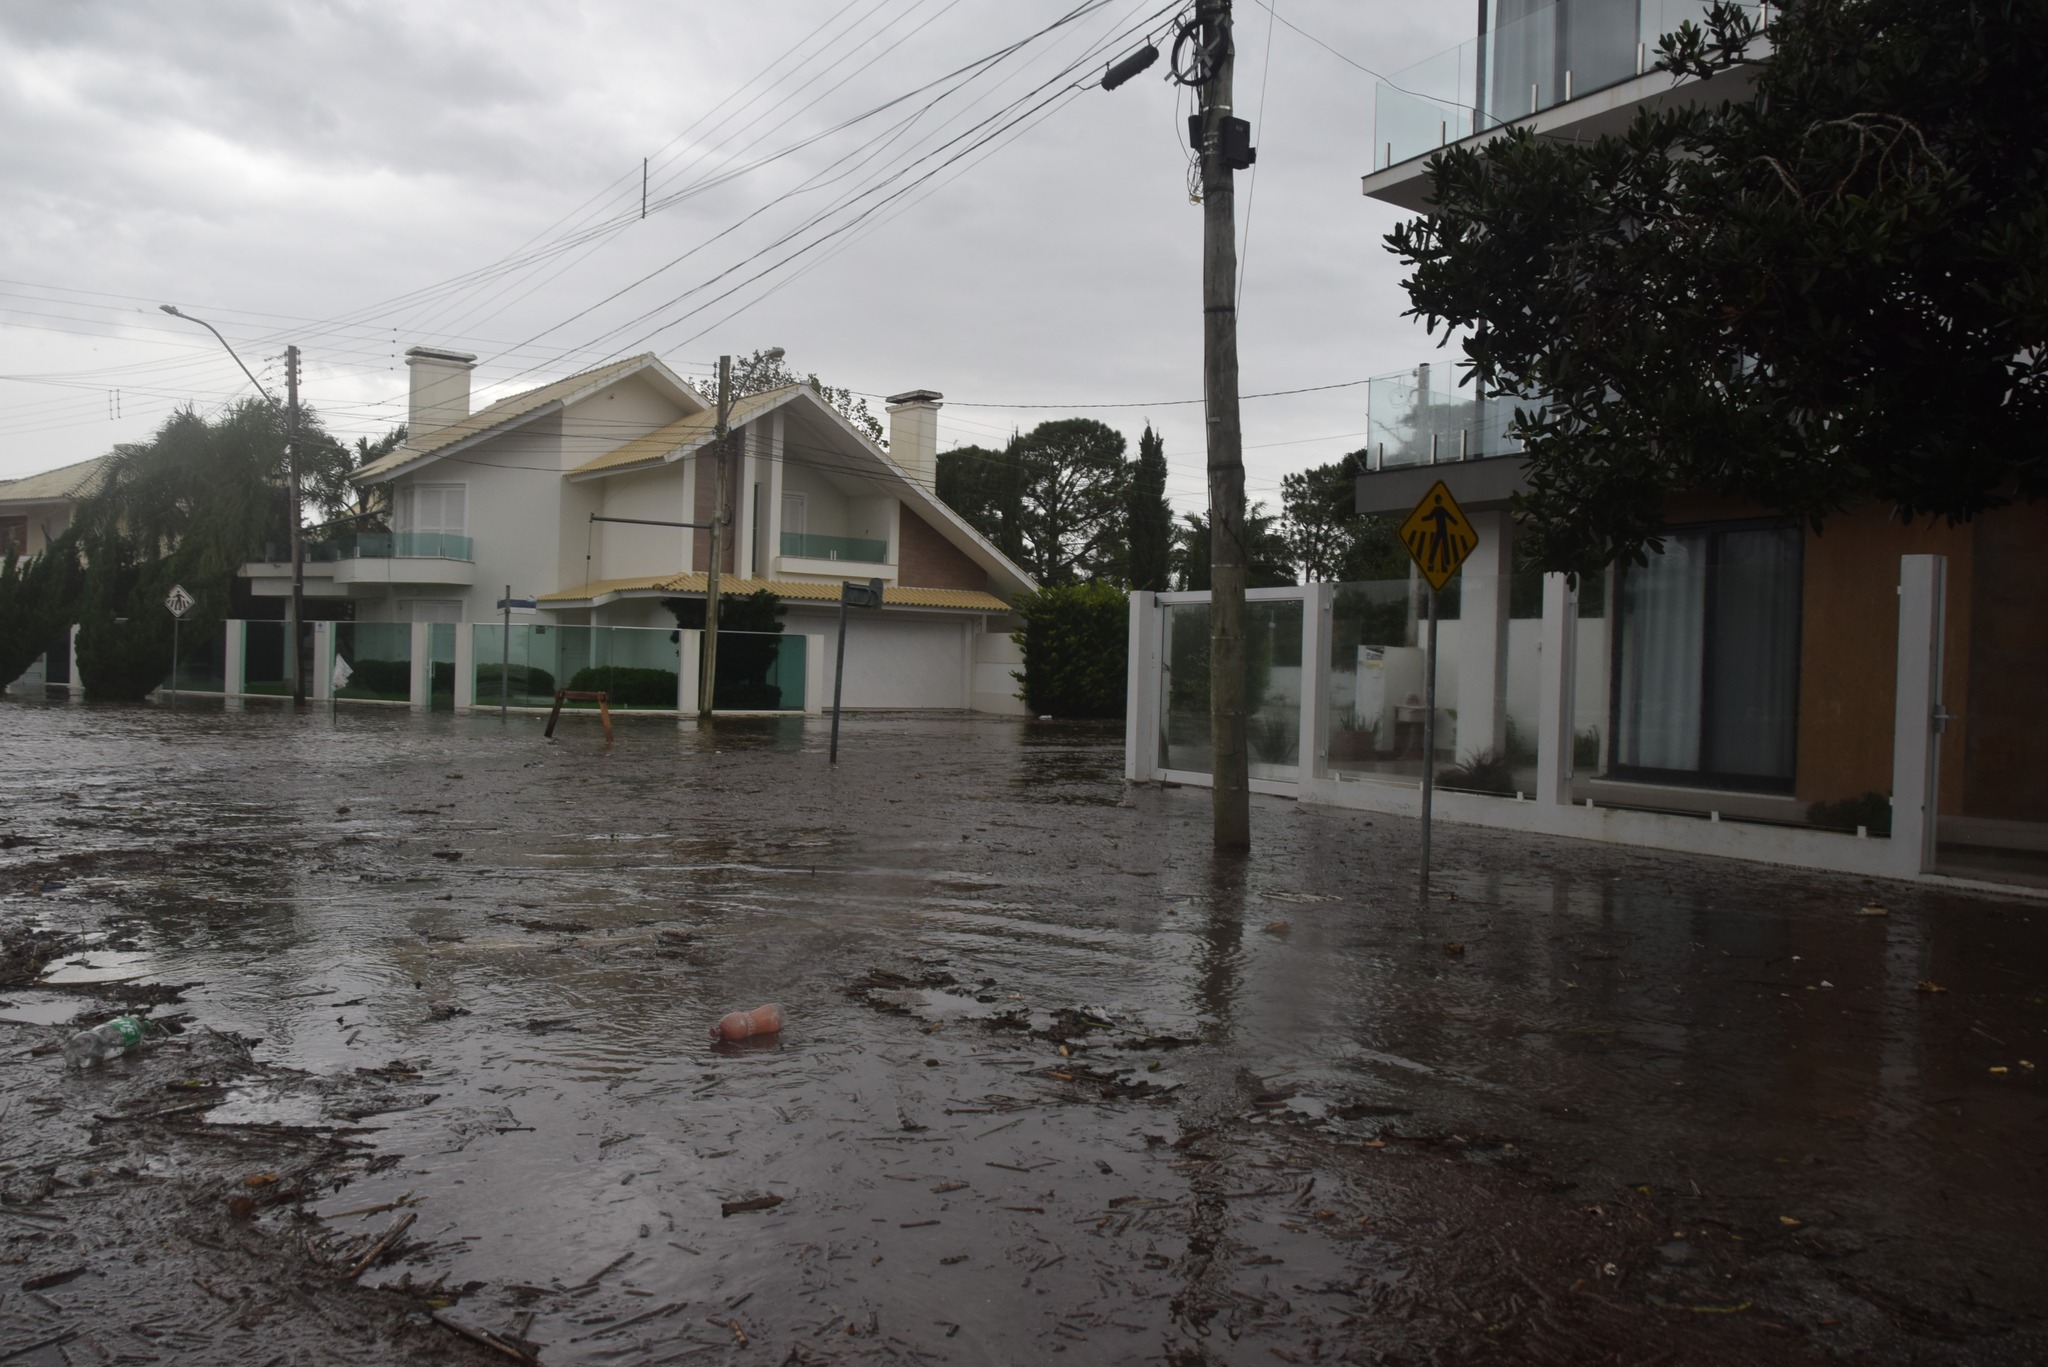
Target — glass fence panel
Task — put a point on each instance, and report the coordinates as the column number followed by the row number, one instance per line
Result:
column 1272, row 695
column 202, row 661
column 1377, row 686
column 373, row 661
column 636, row 666
column 1273, row 688
column 441, row 666
column 1184, row 688
column 265, row 668
column 760, row 671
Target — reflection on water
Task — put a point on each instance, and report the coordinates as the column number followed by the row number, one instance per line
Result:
column 542, row 932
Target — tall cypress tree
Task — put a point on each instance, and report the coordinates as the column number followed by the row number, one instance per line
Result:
column 1151, row 520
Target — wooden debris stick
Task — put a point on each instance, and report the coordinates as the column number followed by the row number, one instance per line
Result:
column 383, row 1245
column 488, row 1340
column 52, row 1341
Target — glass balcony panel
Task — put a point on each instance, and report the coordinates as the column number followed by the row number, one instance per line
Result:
column 861, row 550
column 1426, row 417
column 1533, row 58
column 265, row 668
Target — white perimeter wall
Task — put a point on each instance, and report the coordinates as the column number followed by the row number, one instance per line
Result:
column 895, row 660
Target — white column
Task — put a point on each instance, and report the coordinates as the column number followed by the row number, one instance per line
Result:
column 1317, row 607
column 1481, row 635
column 419, row 693
column 1916, row 733
column 743, row 504
column 689, row 513
column 1141, row 702
column 76, row 688
column 690, row 659
column 322, row 683
column 1556, row 689
column 465, row 666
column 235, row 667
column 771, row 513
column 817, row 684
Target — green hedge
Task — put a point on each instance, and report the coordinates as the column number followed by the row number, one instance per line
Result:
column 391, row 678
column 628, row 687
column 1076, row 641
column 521, row 681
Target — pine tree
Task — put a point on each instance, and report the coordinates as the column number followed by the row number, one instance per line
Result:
column 1151, row 519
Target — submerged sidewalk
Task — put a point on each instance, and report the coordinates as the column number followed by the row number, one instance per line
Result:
column 1054, row 1080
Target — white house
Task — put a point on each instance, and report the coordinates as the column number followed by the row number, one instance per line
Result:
column 514, row 494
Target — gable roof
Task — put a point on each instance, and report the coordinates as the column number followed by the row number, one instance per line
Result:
column 683, row 436
column 53, row 486
column 510, row 412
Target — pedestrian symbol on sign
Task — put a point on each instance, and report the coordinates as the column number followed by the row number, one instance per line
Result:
column 1438, row 536
column 178, row 601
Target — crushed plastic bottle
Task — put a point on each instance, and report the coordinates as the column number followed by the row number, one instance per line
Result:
column 110, row 1039
column 738, row 1025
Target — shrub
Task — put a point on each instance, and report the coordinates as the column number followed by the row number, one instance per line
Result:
column 521, row 681
column 1872, row 809
column 627, row 686
column 390, row 678
column 1486, row 771
column 1076, row 641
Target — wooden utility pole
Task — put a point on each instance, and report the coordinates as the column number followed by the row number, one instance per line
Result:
column 291, row 448
column 1229, row 766
column 708, row 684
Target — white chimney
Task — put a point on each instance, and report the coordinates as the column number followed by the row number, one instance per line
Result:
column 440, row 389
column 914, row 433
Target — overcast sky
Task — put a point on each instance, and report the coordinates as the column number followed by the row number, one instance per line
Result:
column 364, row 177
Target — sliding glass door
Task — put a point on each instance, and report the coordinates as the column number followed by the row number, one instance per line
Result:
column 1706, row 686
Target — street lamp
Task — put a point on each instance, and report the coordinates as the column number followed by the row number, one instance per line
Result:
column 291, row 417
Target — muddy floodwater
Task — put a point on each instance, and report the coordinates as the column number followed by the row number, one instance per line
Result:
column 1055, row 1083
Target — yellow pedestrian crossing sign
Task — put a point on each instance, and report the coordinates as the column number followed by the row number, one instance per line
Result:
column 1438, row 536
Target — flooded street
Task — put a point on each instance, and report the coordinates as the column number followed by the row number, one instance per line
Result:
column 1054, row 1081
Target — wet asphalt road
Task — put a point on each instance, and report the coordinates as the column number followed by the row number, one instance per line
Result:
column 1290, row 1105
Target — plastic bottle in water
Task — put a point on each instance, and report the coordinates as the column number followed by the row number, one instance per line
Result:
column 110, row 1040
column 738, row 1025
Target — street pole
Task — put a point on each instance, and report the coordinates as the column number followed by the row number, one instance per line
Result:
column 1230, row 764
column 838, row 677
column 174, row 662
column 298, row 611
column 505, row 660
column 709, row 681
column 1428, row 742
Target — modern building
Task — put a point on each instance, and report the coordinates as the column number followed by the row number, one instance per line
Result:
column 592, row 496
column 1868, row 696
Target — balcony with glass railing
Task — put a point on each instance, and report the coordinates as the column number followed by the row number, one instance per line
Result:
column 860, row 550
column 391, row 546
column 1541, row 57
column 1424, row 417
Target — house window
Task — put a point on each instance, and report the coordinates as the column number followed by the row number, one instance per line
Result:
column 434, row 508
column 13, row 536
column 1706, row 673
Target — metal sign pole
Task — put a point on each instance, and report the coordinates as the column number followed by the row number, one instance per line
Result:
column 838, row 677
column 505, row 660
column 175, row 619
column 1428, row 743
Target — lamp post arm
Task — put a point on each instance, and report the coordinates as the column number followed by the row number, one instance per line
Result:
column 172, row 309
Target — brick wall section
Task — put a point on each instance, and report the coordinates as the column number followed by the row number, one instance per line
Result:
column 926, row 560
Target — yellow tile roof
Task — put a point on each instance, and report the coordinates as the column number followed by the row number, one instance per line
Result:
column 798, row 590
column 66, row 481
column 682, row 434
column 494, row 415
